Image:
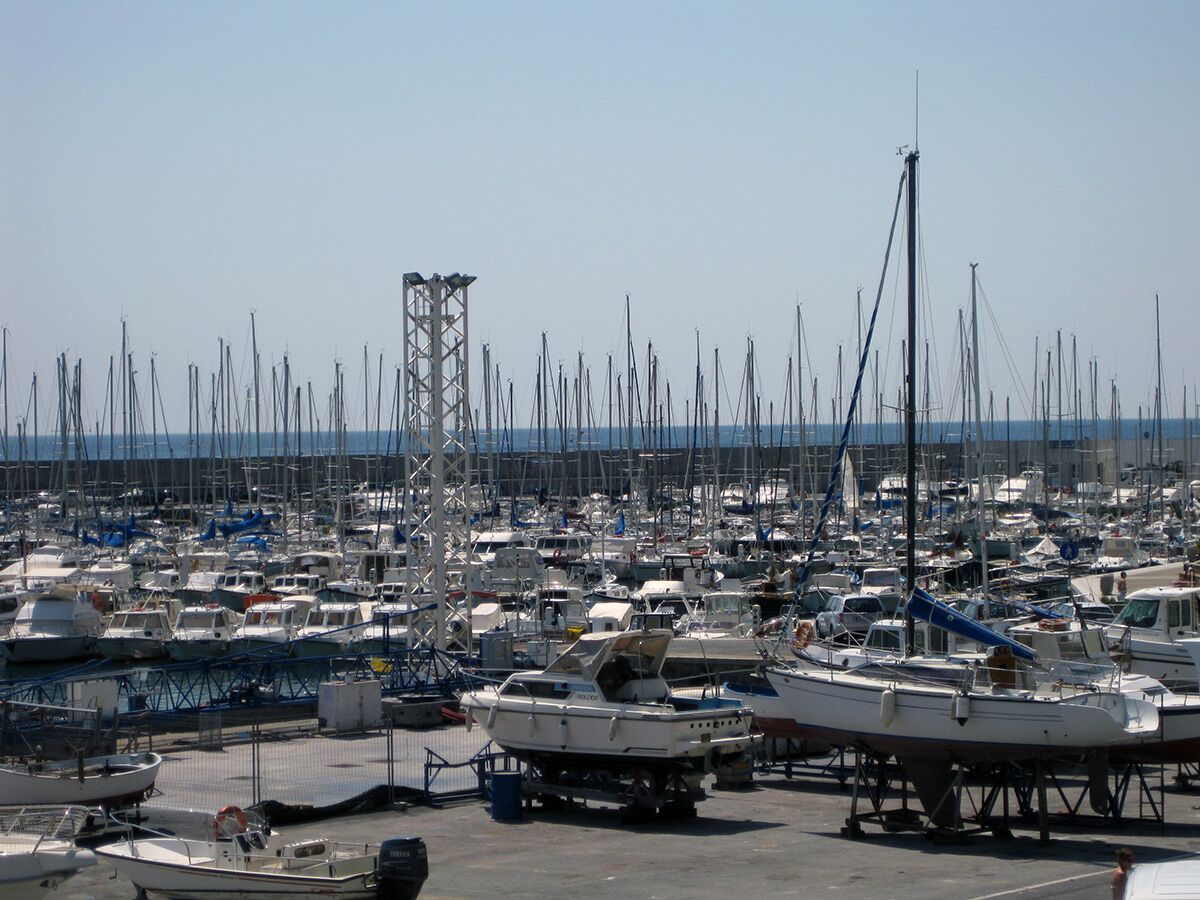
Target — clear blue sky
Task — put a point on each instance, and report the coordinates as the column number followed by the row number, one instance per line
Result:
column 183, row 163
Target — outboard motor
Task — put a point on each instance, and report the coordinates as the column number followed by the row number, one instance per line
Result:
column 402, row 869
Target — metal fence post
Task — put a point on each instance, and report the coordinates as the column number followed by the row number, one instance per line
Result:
column 255, row 764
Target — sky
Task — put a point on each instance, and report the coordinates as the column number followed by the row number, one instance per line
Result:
column 181, row 164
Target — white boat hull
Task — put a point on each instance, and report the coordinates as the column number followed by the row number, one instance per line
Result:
column 923, row 721
column 31, row 870
column 106, row 780
column 601, row 733
column 1165, row 661
column 31, row 648
column 186, row 650
column 193, row 870
column 131, row 648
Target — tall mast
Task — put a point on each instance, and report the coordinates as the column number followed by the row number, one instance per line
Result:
column 1158, row 392
column 979, row 474
column 910, row 401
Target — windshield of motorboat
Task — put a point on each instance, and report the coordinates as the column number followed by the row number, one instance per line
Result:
column 676, row 607
column 1141, row 612
column 889, row 639
column 643, row 651
column 880, row 577
column 582, row 658
column 197, row 619
column 723, row 604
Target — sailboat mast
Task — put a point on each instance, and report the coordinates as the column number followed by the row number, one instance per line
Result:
column 979, row 473
column 910, row 401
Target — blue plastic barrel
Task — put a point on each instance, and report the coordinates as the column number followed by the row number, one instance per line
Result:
column 506, row 796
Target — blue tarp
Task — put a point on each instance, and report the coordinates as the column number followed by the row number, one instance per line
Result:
column 925, row 607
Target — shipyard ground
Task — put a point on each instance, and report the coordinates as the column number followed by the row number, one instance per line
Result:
column 779, row 838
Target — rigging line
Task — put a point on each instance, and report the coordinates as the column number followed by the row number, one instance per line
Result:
column 1013, row 369
column 835, row 474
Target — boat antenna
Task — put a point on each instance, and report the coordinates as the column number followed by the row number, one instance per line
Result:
column 917, row 114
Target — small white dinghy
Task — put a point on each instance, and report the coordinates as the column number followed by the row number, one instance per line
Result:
column 95, row 781
column 236, row 861
column 38, row 852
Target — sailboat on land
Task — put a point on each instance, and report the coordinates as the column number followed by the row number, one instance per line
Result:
column 993, row 709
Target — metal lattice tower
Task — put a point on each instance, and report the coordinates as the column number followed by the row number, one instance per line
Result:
column 437, row 427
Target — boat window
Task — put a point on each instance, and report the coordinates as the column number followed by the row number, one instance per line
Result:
column 1175, row 614
column 938, row 641
column 1139, row 613
column 544, row 689
column 880, row 639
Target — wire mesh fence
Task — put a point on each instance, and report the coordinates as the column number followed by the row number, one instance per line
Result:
column 300, row 764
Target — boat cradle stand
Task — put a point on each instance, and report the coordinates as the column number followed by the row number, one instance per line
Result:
column 941, row 788
column 642, row 795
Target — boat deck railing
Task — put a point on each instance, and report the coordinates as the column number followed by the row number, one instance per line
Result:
column 61, row 823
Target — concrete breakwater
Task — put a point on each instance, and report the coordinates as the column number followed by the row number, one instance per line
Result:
column 212, row 479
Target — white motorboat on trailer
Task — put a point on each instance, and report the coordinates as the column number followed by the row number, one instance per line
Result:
column 98, row 781
column 234, row 860
column 603, row 704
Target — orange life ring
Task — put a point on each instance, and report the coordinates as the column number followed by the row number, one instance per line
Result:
column 224, row 815
column 804, row 635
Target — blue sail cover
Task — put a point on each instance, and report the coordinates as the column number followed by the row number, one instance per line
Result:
column 924, row 607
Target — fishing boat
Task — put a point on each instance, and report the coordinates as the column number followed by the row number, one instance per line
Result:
column 143, row 632
column 99, row 780
column 38, row 852
column 332, row 629
column 1149, row 630
column 603, row 703
column 54, row 627
column 203, row 632
column 275, row 624
column 234, row 860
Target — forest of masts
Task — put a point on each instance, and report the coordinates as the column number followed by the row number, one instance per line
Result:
column 628, row 427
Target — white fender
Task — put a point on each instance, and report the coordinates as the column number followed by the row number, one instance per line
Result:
column 491, row 716
column 532, row 724
column 962, row 708
column 562, row 731
column 612, row 728
column 887, row 707
column 469, row 718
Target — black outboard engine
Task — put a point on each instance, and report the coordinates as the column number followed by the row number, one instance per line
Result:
column 402, row 869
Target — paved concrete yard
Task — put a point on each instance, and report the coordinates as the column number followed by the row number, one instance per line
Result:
column 781, row 838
